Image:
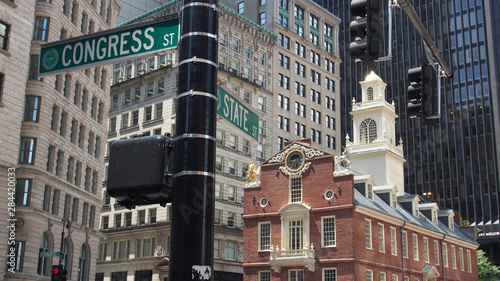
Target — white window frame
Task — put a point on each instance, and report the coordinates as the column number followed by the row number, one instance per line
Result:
column 297, row 278
column 323, row 232
column 227, row 244
column 381, row 237
column 404, row 239
column 231, row 193
column 445, row 255
column 264, row 278
column 229, row 215
column 436, row 252
column 394, row 241
column 218, row 217
column 426, row 250
column 469, row 261
column 368, row 234
column 415, row 246
column 453, row 257
column 291, row 197
column 461, row 257
column 217, row 248
column 263, row 247
column 369, row 275
column 324, row 271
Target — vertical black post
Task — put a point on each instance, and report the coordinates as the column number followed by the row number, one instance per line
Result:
column 62, row 243
column 192, row 233
column 65, row 225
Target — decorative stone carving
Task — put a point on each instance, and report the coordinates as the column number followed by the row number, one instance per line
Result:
column 343, row 164
column 252, row 175
column 308, row 152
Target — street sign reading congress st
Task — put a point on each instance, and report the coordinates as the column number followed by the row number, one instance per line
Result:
column 117, row 44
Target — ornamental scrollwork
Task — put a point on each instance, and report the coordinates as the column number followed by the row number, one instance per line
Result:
column 285, row 171
column 308, row 152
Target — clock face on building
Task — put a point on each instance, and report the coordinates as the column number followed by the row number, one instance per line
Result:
column 294, row 160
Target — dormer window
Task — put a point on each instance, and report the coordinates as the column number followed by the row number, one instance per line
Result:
column 394, row 200
column 368, row 131
column 415, row 209
column 369, row 93
column 451, row 223
column 434, row 216
column 369, row 191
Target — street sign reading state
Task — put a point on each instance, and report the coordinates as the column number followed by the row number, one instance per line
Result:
column 122, row 43
column 237, row 113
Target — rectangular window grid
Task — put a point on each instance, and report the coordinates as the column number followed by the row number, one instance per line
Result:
column 296, row 189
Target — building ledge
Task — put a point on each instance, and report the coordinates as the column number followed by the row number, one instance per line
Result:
column 284, row 258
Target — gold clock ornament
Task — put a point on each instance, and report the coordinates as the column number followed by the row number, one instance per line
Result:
column 294, row 161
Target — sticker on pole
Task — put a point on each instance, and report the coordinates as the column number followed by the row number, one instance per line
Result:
column 201, row 272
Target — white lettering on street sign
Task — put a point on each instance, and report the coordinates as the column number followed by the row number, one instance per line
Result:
column 123, row 43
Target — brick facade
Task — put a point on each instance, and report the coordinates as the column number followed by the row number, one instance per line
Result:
column 354, row 254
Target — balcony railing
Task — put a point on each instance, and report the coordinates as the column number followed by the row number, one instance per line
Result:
column 286, row 258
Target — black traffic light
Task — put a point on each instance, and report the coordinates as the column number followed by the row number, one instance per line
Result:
column 365, row 28
column 140, row 170
column 422, row 96
column 57, row 272
column 64, row 275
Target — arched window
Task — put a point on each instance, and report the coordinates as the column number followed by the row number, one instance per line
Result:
column 44, row 262
column 369, row 93
column 367, row 131
column 66, row 255
column 83, row 264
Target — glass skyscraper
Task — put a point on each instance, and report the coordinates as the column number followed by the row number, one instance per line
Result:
column 457, row 160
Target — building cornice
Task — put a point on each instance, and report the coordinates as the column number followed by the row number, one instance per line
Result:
column 415, row 228
column 255, row 264
column 333, row 208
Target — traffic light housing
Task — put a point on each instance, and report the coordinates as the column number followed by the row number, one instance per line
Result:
column 57, row 272
column 141, row 170
column 64, row 275
column 422, row 96
column 365, row 28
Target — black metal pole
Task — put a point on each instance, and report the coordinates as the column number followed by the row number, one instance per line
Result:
column 62, row 243
column 192, row 232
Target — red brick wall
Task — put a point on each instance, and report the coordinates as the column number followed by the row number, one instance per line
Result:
column 351, row 256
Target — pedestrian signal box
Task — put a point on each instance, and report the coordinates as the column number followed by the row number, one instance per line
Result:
column 140, row 170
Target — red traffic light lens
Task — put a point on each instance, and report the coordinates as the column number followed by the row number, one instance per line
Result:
column 55, row 270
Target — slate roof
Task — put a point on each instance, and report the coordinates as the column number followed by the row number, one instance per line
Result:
column 378, row 205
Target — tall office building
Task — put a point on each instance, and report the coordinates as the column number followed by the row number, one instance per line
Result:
column 461, row 152
column 306, row 70
column 52, row 142
column 143, row 101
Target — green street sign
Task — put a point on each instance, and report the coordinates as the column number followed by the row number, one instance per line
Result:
column 109, row 46
column 49, row 254
column 237, row 113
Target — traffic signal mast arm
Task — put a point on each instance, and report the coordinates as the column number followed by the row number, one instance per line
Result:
column 412, row 15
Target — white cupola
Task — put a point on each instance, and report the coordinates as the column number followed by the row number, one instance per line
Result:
column 373, row 147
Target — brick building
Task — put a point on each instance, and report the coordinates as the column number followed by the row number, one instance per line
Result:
column 314, row 216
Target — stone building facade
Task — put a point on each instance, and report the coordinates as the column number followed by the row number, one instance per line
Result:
column 53, row 139
column 306, row 69
column 143, row 101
